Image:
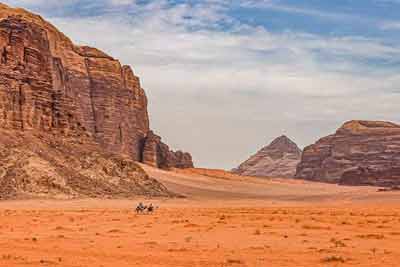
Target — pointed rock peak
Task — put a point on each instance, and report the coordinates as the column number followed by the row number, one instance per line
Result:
column 278, row 159
column 281, row 139
column 283, row 143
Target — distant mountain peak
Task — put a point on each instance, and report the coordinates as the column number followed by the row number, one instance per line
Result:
column 278, row 159
column 283, row 143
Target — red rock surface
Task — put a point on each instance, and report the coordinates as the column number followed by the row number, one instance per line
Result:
column 278, row 159
column 359, row 153
column 48, row 84
column 158, row 154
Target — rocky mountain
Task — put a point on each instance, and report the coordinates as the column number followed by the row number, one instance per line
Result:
column 359, row 153
column 278, row 159
column 54, row 88
column 49, row 84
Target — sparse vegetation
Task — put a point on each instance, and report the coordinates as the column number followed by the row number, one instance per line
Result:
column 337, row 243
column 372, row 236
column 257, row 232
column 234, row 261
column 315, row 227
column 330, row 259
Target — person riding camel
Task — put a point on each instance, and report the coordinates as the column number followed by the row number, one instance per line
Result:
column 150, row 208
column 140, row 208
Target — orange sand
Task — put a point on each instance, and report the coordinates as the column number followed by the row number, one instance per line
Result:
column 223, row 222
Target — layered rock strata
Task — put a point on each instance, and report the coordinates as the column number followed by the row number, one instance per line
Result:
column 48, row 84
column 278, row 159
column 359, row 153
column 158, row 154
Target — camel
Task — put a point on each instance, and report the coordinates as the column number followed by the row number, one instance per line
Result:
column 143, row 208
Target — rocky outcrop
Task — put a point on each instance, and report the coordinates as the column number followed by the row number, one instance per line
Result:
column 48, row 84
column 359, row 153
column 46, row 165
column 158, row 154
column 278, row 159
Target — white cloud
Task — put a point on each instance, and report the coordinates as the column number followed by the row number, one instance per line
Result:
column 61, row 3
column 38, row 3
column 121, row 2
column 390, row 25
column 276, row 5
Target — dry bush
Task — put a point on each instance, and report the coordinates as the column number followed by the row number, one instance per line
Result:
column 372, row 236
column 315, row 227
column 334, row 259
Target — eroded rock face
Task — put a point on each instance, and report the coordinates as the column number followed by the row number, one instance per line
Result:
column 48, row 84
column 158, row 154
column 278, row 159
column 359, row 153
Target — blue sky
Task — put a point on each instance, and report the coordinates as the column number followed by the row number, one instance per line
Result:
column 337, row 18
column 226, row 77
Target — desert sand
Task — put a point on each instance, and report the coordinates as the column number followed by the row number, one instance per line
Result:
column 225, row 220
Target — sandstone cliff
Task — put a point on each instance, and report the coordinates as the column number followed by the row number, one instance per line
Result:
column 359, row 153
column 48, row 84
column 158, row 154
column 278, row 159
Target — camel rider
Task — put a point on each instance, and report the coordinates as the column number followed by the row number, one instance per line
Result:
column 151, row 207
column 141, row 206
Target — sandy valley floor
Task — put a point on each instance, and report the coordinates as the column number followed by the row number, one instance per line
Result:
column 224, row 221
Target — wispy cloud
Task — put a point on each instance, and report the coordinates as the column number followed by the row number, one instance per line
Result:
column 274, row 5
column 391, row 25
column 340, row 17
